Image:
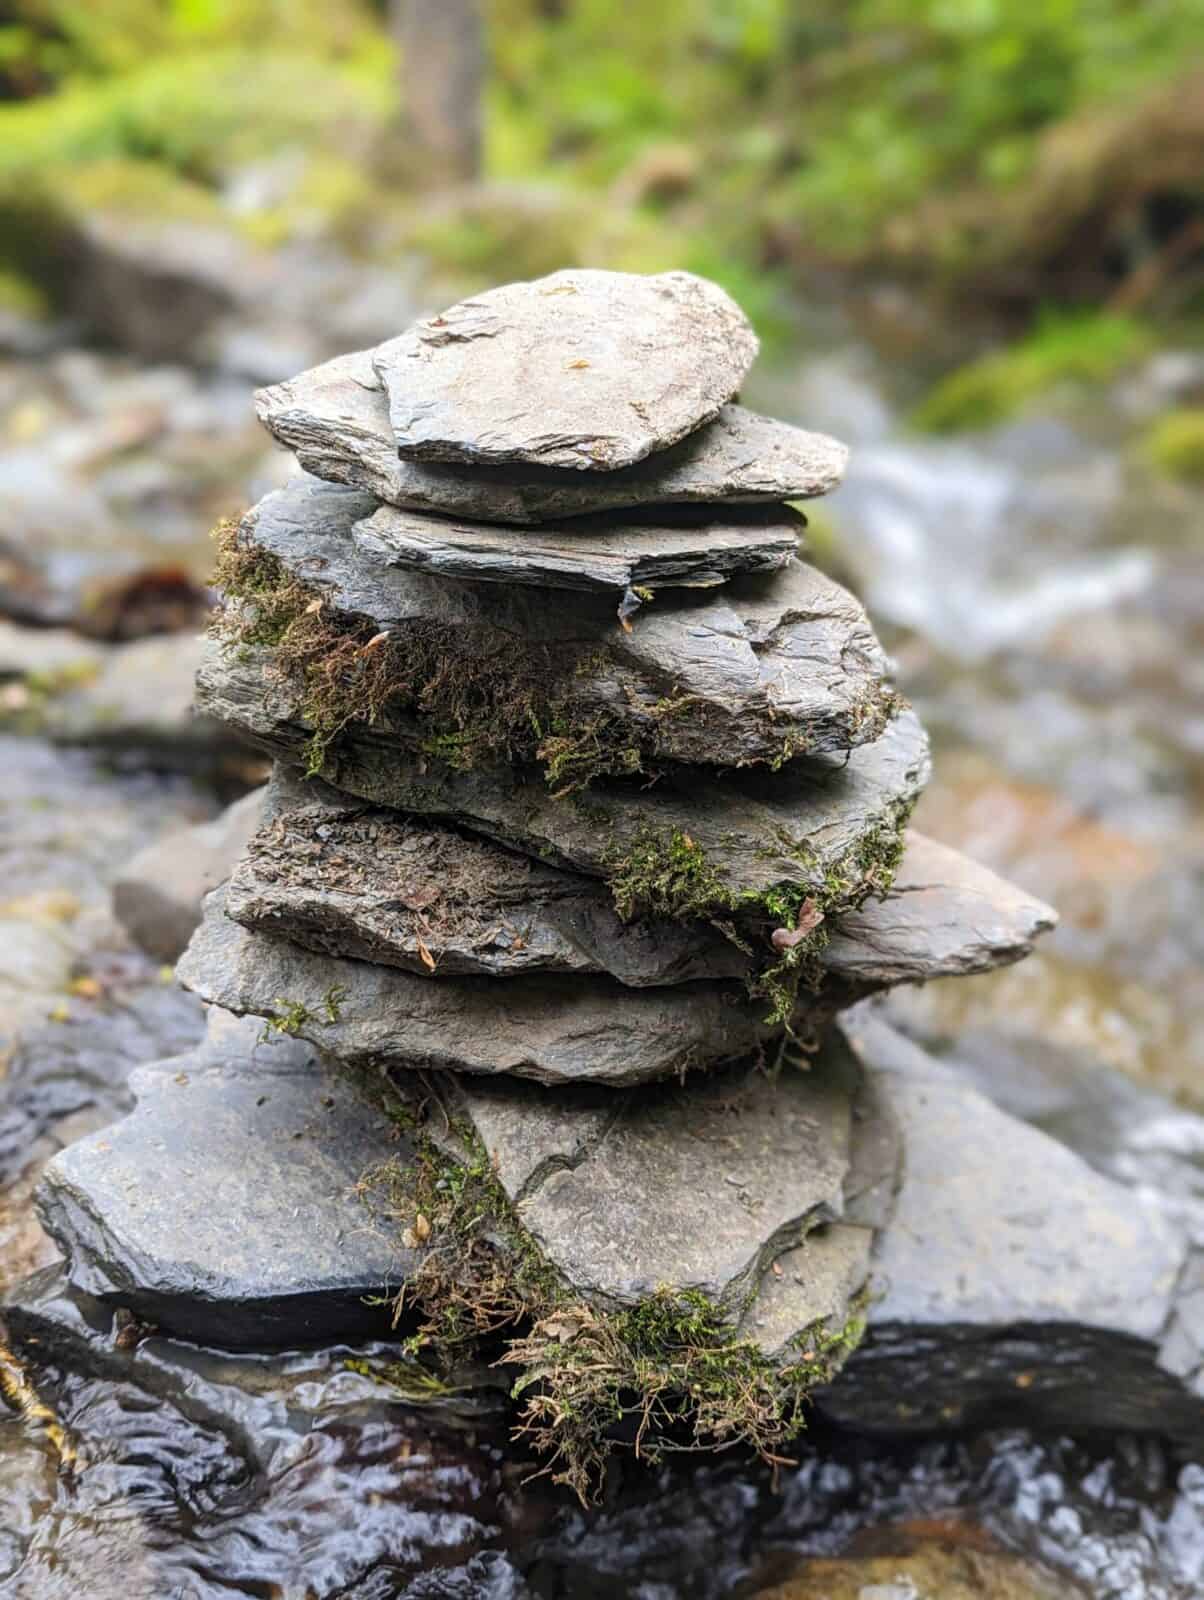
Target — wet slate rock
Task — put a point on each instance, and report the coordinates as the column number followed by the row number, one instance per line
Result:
column 1011, row 1282
column 776, row 661
column 756, row 828
column 347, row 879
column 581, row 369
column 157, row 896
column 944, row 916
column 335, row 418
column 224, row 1207
column 604, row 554
column 694, row 1187
column 555, row 1029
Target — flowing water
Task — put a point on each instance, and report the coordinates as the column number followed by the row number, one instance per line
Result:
column 1045, row 602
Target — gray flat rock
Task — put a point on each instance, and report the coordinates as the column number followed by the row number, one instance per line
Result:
column 157, row 895
column 336, row 419
column 1012, row 1281
column 594, row 554
column 944, row 916
column 776, row 661
column 694, row 1187
column 756, row 828
column 555, row 1029
column 348, row 879
column 224, row 1206
column 582, row 369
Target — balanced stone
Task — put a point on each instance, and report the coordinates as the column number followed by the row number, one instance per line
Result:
column 698, row 1188
column 335, row 418
column 556, row 1029
column 341, row 877
column 775, row 664
column 744, row 834
column 582, row 369
column 225, row 1206
column 593, row 554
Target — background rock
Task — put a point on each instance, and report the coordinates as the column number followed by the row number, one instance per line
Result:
column 582, row 369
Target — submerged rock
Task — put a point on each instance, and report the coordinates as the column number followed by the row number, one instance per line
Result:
column 224, row 1207
column 774, row 664
column 582, row 369
column 592, row 554
column 336, row 419
column 556, row 1029
column 1012, row 1281
column 347, row 879
column 157, row 895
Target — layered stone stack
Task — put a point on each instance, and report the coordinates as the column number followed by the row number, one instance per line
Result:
column 589, row 814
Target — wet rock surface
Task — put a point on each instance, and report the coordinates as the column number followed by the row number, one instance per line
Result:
column 335, row 419
column 348, row 879
column 1012, row 1279
column 553, row 1029
column 224, row 1207
column 582, row 369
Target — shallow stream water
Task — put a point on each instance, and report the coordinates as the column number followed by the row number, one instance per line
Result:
column 1045, row 601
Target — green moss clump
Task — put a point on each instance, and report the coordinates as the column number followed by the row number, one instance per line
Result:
column 1090, row 347
column 668, row 1373
column 1174, row 445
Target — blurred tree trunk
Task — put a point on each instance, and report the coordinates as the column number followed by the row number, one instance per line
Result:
column 442, row 75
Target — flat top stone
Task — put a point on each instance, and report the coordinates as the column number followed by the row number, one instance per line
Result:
column 582, row 369
column 553, row 1028
column 686, row 1187
column 593, row 553
column 336, row 419
column 339, row 876
column 236, row 1129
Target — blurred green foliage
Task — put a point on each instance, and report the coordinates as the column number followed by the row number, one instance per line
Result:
column 1174, row 445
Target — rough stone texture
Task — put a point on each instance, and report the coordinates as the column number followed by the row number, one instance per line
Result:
column 157, row 896
column 777, row 658
column 594, row 554
column 1013, row 1282
column 223, row 1207
column 694, row 1187
column 336, row 419
column 347, row 879
column 945, row 916
column 554, row 1029
column 582, row 369
column 757, row 828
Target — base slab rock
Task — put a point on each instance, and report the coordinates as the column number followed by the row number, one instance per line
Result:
column 223, row 1207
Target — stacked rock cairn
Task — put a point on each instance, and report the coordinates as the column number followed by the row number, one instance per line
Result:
column 589, row 814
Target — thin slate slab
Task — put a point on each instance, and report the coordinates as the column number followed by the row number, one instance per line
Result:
column 225, row 1204
column 945, row 916
column 582, row 369
column 690, row 1188
column 755, row 828
column 348, row 879
column 335, row 418
column 1012, row 1282
column 776, row 662
column 555, row 1029
column 597, row 554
